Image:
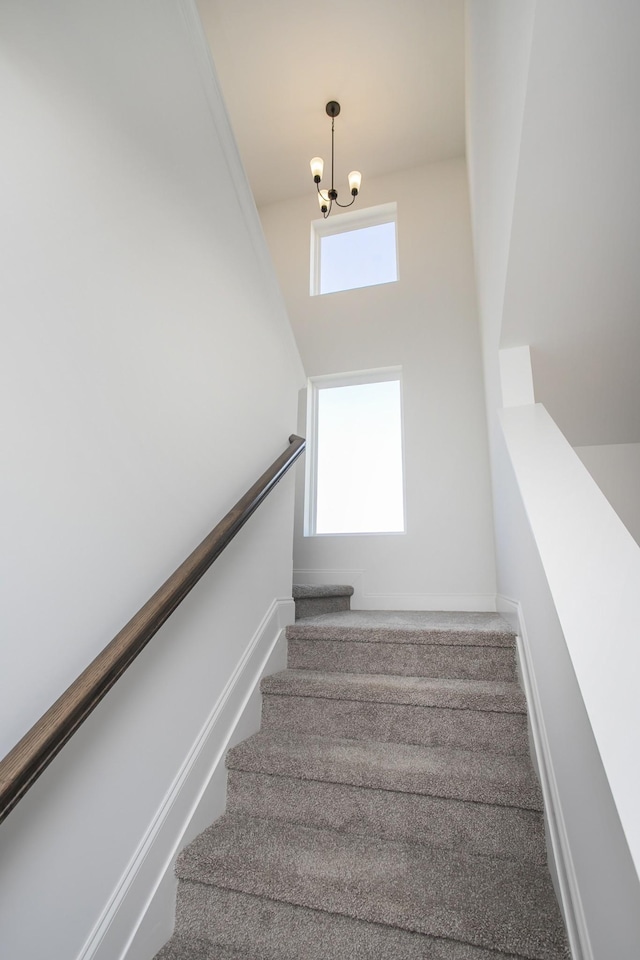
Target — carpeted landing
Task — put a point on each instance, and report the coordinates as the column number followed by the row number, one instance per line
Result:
column 387, row 808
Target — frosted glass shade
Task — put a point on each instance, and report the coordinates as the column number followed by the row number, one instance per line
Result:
column 317, row 167
column 355, row 179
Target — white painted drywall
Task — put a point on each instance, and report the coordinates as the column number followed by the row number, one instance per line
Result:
column 616, row 469
column 573, row 290
column 499, row 44
column 149, row 375
column 426, row 322
column 592, row 565
column 516, row 378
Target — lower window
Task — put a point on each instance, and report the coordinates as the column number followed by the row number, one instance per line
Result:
column 354, row 455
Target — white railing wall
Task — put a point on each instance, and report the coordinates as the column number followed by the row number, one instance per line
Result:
column 592, row 564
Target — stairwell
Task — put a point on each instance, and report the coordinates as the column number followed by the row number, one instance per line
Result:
column 387, row 807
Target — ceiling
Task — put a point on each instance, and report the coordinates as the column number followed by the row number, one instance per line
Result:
column 395, row 66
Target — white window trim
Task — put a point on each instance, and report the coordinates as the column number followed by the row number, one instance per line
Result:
column 314, row 385
column 343, row 223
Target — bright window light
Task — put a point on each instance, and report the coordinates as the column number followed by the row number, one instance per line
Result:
column 353, row 250
column 356, row 481
column 358, row 258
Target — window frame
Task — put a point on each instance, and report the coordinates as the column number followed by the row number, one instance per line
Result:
column 346, row 223
column 352, row 379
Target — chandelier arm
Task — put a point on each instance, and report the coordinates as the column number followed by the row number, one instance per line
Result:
column 346, row 204
column 327, row 198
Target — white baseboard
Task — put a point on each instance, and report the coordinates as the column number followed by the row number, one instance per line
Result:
column 363, row 600
column 429, row 601
column 558, row 841
column 139, row 916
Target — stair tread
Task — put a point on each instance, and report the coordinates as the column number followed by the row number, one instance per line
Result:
column 501, row 696
column 183, row 947
column 405, row 768
column 276, row 930
column 507, row 906
column 406, row 626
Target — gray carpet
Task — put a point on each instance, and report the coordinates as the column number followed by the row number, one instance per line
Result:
column 478, row 828
column 406, row 659
column 410, row 886
column 397, row 723
column 199, row 948
column 276, row 930
column 434, row 771
column 407, row 626
column 492, row 695
column 379, row 812
column 311, row 600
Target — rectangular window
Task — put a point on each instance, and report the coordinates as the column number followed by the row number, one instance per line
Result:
column 356, row 249
column 354, row 455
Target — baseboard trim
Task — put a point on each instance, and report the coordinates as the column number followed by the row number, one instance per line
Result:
column 567, row 883
column 120, row 931
column 362, row 600
column 485, row 603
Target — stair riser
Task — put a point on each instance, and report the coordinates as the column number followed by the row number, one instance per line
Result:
column 285, row 932
column 476, row 828
column 504, row 733
column 314, row 606
column 404, row 659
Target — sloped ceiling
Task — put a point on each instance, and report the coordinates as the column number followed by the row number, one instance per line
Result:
column 395, row 66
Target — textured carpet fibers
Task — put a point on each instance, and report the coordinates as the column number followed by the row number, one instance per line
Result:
column 491, row 695
column 406, row 659
column 281, row 931
column 408, row 768
column 197, row 948
column 407, row 626
column 312, row 591
column 482, row 829
column 311, row 600
column 397, row 723
column 500, row 905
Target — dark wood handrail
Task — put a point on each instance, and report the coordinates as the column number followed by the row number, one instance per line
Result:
column 23, row 765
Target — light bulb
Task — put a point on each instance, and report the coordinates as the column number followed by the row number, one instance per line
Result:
column 317, row 168
column 322, row 203
column 355, row 179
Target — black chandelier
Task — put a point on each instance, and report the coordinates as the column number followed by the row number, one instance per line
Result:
column 317, row 166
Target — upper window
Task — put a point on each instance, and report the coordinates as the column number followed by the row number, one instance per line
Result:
column 356, row 249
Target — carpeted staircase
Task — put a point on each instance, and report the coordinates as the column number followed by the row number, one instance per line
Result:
column 386, row 809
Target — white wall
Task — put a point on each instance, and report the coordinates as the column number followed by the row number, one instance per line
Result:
column 573, row 292
column 616, row 469
column 501, row 39
column 426, row 322
column 149, row 375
